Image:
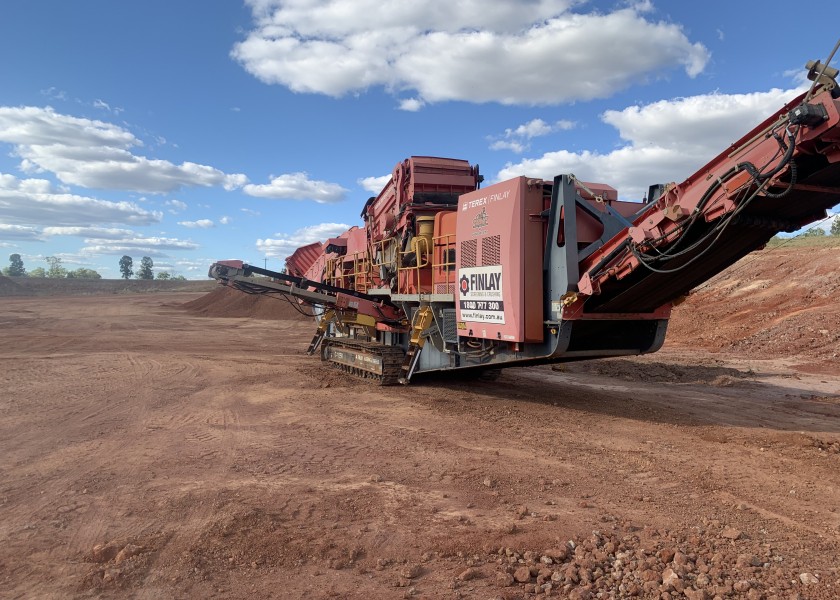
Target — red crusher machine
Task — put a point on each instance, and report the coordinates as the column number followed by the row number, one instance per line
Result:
column 444, row 276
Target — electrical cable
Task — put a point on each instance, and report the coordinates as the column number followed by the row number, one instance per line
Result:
column 711, row 244
column 758, row 176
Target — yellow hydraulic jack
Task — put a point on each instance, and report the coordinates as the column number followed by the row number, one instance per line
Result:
column 423, row 318
column 323, row 325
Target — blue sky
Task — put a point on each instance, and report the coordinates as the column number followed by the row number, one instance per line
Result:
column 193, row 131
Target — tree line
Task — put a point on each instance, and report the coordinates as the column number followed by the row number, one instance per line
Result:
column 818, row 231
column 55, row 270
column 146, row 270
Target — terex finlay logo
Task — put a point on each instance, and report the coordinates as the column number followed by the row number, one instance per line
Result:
column 464, row 285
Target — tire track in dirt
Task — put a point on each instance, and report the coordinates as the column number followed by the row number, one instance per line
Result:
column 245, row 470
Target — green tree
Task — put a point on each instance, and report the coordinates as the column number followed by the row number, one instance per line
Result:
column 15, row 267
column 82, row 273
column 835, row 226
column 55, row 271
column 125, row 267
column 178, row 278
column 162, row 275
column 145, row 271
column 814, row 232
column 38, row 272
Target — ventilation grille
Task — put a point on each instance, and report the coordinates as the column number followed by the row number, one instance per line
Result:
column 490, row 250
column 444, row 288
column 468, row 251
column 450, row 330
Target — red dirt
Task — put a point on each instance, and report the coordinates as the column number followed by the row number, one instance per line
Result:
column 778, row 303
column 152, row 453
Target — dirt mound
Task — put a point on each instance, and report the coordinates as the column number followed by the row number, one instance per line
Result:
column 8, row 287
column 781, row 302
column 229, row 302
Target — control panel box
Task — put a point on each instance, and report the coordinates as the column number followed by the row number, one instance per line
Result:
column 499, row 240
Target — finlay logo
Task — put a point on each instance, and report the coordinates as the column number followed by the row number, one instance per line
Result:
column 480, row 220
column 464, row 285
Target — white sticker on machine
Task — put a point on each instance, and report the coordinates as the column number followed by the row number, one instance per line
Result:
column 480, row 294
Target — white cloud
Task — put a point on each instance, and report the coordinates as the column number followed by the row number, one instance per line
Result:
column 516, row 139
column 67, row 258
column 105, row 106
column 194, row 265
column 34, row 202
column 96, row 232
column 531, row 129
column 176, row 206
column 148, row 246
column 411, row 104
column 200, row 224
column 104, row 241
column 54, row 93
column 20, row 233
column 248, row 211
column 466, row 50
column 297, row 186
column 283, row 245
column 666, row 141
column 513, row 146
column 96, row 154
column 374, row 184
column 235, row 181
column 225, row 220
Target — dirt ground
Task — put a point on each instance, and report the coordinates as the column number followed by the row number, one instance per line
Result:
column 149, row 451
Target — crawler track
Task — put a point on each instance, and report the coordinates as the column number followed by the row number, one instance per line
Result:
column 366, row 360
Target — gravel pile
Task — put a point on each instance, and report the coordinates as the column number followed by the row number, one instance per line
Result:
column 715, row 563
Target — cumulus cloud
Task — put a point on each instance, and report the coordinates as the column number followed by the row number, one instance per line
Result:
column 282, row 245
column 20, row 233
column 512, row 145
column 374, row 184
column 176, row 206
column 199, row 224
column 147, row 246
column 411, row 104
column 516, row 139
column 96, row 232
column 664, row 141
column 34, row 201
column 194, row 266
column 464, row 50
column 297, row 186
column 96, row 154
column 225, row 220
